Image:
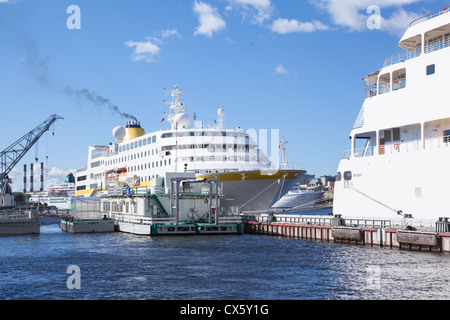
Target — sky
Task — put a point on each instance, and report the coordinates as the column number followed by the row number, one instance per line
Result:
column 292, row 66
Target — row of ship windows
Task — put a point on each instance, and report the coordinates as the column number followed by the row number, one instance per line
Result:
column 143, row 142
column 137, row 144
column 347, row 176
column 135, row 156
column 398, row 81
column 204, row 134
column 166, row 150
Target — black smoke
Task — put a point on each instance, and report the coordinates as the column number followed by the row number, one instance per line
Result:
column 39, row 67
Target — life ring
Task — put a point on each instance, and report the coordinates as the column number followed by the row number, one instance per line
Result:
column 445, row 10
column 206, row 200
column 396, row 146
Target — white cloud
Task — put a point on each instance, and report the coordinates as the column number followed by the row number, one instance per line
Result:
column 144, row 50
column 169, row 33
column 280, row 69
column 209, row 19
column 258, row 10
column 353, row 13
column 150, row 49
column 284, row 26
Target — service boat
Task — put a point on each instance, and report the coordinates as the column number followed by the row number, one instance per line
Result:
column 400, row 150
column 300, row 198
column 248, row 180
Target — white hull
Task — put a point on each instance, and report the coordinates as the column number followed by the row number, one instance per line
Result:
column 299, row 200
column 383, row 185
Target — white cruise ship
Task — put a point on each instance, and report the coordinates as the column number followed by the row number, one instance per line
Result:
column 248, row 180
column 300, row 198
column 59, row 196
column 400, row 142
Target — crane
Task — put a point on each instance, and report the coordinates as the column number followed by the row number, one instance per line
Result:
column 16, row 151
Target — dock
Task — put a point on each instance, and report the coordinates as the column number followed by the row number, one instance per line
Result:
column 19, row 221
column 366, row 232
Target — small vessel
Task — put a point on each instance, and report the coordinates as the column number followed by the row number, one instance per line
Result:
column 59, row 196
column 396, row 168
column 300, row 197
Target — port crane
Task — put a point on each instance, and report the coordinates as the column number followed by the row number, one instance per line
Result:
column 16, row 151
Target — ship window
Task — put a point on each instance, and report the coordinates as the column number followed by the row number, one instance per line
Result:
column 431, row 69
column 144, row 142
column 339, row 176
column 149, row 140
column 399, row 79
column 387, row 136
column 385, row 83
column 396, row 134
column 154, row 139
column 131, row 146
column 140, row 143
column 347, row 175
column 446, row 136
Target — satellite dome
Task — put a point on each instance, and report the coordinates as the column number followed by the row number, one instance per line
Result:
column 221, row 112
column 119, row 133
column 182, row 120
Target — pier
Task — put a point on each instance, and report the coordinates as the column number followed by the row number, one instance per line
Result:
column 351, row 231
column 19, row 221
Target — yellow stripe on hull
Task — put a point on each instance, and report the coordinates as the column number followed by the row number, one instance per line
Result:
column 85, row 192
column 252, row 175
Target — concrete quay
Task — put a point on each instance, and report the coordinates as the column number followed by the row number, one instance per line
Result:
column 351, row 231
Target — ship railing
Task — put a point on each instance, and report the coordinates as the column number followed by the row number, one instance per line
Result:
column 402, row 57
column 141, row 219
column 402, row 147
column 364, row 152
column 430, row 16
column 289, row 166
column 437, row 44
column 437, row 142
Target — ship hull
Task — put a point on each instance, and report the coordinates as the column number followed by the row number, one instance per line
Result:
column 415, row 183
column 254, row 191
column 298, row 200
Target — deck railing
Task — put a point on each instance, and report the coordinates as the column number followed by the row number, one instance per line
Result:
column 437, row 45
column 430, row 16
column 402, row 57
column 401, row 147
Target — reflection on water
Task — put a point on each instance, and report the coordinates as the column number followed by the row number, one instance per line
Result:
column 251, row 267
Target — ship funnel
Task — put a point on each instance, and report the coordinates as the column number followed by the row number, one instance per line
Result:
column 133, row 130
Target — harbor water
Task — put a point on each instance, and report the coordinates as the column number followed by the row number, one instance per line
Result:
column 119, row 266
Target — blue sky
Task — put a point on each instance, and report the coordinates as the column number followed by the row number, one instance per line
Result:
column 296, row 66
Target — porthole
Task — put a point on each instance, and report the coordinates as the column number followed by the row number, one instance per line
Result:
column 347, row 175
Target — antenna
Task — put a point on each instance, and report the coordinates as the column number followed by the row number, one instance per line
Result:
column 283, row 154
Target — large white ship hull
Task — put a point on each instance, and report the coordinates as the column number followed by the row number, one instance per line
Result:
column 253, row 190
column 414, row 183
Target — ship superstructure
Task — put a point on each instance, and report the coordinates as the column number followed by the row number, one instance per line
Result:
column 249, row 181
column 397, row 165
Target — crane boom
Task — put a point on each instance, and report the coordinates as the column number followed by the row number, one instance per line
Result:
column 16, row 151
